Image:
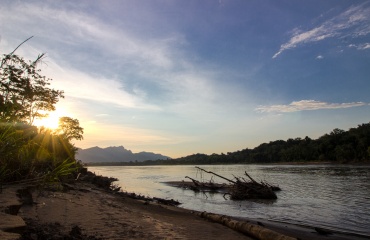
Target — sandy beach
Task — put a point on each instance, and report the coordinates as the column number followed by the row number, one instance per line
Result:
column 84, row 211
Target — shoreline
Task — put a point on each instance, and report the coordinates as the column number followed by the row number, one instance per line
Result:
column 127, row 164
column 86, row 211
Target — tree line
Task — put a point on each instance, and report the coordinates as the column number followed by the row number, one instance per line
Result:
column 339, row 146
column 27, row 151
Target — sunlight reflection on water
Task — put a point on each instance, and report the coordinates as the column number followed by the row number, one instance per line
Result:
column 332, row 196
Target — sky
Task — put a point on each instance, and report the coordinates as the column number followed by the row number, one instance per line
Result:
column 212, row 76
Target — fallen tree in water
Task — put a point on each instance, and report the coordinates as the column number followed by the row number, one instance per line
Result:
column 238, row 189
column 253, row 230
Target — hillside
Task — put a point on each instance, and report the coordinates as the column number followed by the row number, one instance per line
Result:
column 339, row 146
column 114, row 155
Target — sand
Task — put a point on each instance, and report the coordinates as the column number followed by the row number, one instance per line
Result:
column 85, row 211
column 98, row 214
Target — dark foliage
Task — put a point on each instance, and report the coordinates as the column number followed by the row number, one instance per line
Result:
column 26, row 152
column 339, row 146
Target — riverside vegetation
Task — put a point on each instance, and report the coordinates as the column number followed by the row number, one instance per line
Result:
column 339, row 146
column 29, row 153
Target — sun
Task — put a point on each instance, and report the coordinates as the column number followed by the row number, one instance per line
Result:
column 51, row 121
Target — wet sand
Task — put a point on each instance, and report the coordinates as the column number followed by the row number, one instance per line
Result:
column 85, row 211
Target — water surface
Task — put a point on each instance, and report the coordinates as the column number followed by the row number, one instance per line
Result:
column 332, row 196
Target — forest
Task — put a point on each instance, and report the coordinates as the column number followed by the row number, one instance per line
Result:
column 339, row 146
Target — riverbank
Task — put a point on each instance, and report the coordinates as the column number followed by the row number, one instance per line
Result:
column 81, row 210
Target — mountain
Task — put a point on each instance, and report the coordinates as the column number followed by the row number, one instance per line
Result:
column 114, row 154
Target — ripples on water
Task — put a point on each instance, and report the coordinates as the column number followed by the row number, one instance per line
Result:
column 331, row 196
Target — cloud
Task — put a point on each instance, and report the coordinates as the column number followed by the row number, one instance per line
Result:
column 77, row 84
column 356, row 19
column 305, row 105
column 78, row 29
column 108, row 63
column 363, row 46
column 319, row 57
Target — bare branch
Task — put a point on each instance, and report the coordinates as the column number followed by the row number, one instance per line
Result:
column 20, row 45
column 10, row 54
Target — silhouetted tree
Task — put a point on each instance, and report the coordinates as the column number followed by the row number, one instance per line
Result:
column 24, row 92
column 69, row 128
column 26, row 151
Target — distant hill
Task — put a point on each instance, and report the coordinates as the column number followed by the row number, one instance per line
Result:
column 115, row 154
column 339, row 146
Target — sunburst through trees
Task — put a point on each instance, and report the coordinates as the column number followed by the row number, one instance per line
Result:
column 28, row 151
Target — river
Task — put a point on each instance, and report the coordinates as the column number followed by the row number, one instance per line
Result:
column 332, row 196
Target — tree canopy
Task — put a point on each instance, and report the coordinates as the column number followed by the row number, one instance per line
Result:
column 70, row 128
column 24, row 92
column 27, row 152
column 338, row 146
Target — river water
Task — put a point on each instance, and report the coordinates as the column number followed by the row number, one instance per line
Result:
column 332, row 196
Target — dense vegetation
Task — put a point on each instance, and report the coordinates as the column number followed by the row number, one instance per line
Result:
column 26, row 151
column 339, row 146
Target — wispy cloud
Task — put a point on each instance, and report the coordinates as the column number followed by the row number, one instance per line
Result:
column 363, row 46
column 138, row 70
column 356, row 19
column 80, row 85
column 77, row 28
column 305, row 105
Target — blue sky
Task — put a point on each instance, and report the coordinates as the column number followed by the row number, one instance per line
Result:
column 182, row 77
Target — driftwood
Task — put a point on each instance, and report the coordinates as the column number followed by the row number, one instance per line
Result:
column 195, row 186
column 216, row 175
column 253, row 230
column 204, row 186
column 169, row 202
column 238, row 189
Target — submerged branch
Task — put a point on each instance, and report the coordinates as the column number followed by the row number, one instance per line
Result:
column 216, row 175
column 238, row 189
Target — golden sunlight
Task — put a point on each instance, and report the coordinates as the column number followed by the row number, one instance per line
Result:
column 51, row 121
